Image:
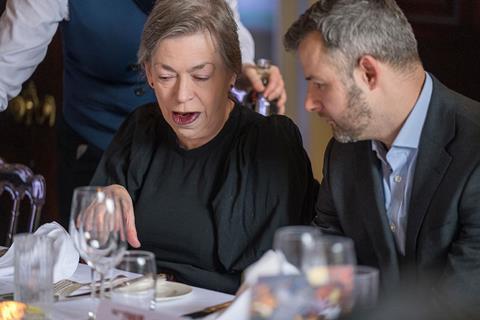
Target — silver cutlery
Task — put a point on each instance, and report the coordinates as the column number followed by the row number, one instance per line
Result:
column 117, row 281
column 209, row 310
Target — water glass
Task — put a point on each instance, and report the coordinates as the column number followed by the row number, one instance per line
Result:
column 34, row 261
column 366, row 287
column 140, row 291
column 290, row 242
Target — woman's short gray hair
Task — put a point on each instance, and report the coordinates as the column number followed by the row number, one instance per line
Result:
column 171, row 18
column 353, row 28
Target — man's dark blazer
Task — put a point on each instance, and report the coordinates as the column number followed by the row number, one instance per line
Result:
column 443, row 228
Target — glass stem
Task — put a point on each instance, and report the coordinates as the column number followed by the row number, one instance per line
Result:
column 92, row 283
column 102, row 285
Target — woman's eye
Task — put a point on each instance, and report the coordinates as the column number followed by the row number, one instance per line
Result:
column 165, row 78
column 201, row 77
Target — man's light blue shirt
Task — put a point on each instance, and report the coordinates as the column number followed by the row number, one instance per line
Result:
column 398, row 165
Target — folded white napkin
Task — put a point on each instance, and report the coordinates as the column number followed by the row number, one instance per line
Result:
column 270, row 264
column 66, row 256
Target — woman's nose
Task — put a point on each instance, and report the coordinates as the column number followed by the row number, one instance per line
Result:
column 184, row 90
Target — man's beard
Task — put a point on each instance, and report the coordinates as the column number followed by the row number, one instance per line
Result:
column 355, row 119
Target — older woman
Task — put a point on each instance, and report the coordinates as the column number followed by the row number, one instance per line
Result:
column 205, row 182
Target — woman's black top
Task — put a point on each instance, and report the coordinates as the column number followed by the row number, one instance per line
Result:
column 209, row 212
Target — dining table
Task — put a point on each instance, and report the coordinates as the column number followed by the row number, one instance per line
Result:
column 78, row 308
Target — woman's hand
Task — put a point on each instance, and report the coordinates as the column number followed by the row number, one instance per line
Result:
column 124, row 201
column 275, row 88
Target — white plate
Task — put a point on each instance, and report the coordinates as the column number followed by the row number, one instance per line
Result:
column 167, row 290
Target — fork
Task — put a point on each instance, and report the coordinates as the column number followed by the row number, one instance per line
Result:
column 65, row 287
column 68, row 289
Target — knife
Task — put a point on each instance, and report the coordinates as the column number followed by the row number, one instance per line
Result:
column 209, row 310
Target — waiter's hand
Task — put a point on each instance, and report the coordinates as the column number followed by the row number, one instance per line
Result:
column 275, row 88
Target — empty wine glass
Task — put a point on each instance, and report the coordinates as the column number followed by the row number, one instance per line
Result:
column 97, row 228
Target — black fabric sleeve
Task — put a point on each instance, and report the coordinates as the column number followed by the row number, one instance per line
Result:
column 128, row 156
column 326, row 215
column 459, row 287
column 269, row 184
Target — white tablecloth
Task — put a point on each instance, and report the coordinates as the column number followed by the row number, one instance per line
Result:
column 78, row 309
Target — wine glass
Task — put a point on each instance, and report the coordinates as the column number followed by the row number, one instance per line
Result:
column 329, row 262
column 97, row 228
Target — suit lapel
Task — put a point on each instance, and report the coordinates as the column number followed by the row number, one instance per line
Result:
column 367, row 178
column 431, row 165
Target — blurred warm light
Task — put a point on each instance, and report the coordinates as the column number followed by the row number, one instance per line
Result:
column 12, row 310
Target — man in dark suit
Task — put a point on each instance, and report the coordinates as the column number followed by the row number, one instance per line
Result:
column 402, row 176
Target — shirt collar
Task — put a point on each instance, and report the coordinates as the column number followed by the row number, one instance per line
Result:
column 409, row 135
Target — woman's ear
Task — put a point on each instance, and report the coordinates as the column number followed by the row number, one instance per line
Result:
column 233, row 80
column 148, row 71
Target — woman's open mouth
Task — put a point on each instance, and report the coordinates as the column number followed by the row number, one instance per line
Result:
column 185, row 118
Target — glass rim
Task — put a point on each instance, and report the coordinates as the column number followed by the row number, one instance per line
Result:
column 134, row 254
column 335, row 238
column 362, row 270
column 296, row 229
column 88, row 188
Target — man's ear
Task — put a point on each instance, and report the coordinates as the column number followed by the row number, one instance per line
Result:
column 369, row 71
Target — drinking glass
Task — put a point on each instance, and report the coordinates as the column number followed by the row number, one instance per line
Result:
column 34, row 262
column 139, row 292
column 290, row 242
column 97, row 229
column 366, row 287
column 328, row 263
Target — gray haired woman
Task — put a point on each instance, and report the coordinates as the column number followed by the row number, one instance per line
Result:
column 204, row 181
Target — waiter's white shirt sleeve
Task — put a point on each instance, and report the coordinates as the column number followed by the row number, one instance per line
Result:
column 27, row 28
column 247, row 46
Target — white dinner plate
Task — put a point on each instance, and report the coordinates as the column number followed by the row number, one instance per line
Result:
column 167, row 290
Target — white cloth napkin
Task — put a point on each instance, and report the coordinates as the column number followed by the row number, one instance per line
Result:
column 66, row 256
column 270, row 264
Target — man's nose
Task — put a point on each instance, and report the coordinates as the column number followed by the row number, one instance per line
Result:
column 310, row 104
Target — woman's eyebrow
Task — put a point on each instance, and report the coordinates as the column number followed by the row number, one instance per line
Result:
column 192, row 69
column 200, row 66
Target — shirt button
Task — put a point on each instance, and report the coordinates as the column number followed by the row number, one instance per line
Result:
column 139, row 92
column 397, row 179
column 393, row 227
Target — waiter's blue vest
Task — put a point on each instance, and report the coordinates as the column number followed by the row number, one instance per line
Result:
column 102, row 81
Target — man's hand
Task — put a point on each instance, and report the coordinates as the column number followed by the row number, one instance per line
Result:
column 123, row 201
column 275, row 88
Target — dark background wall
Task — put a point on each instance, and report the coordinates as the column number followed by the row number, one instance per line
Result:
column 448, row 34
